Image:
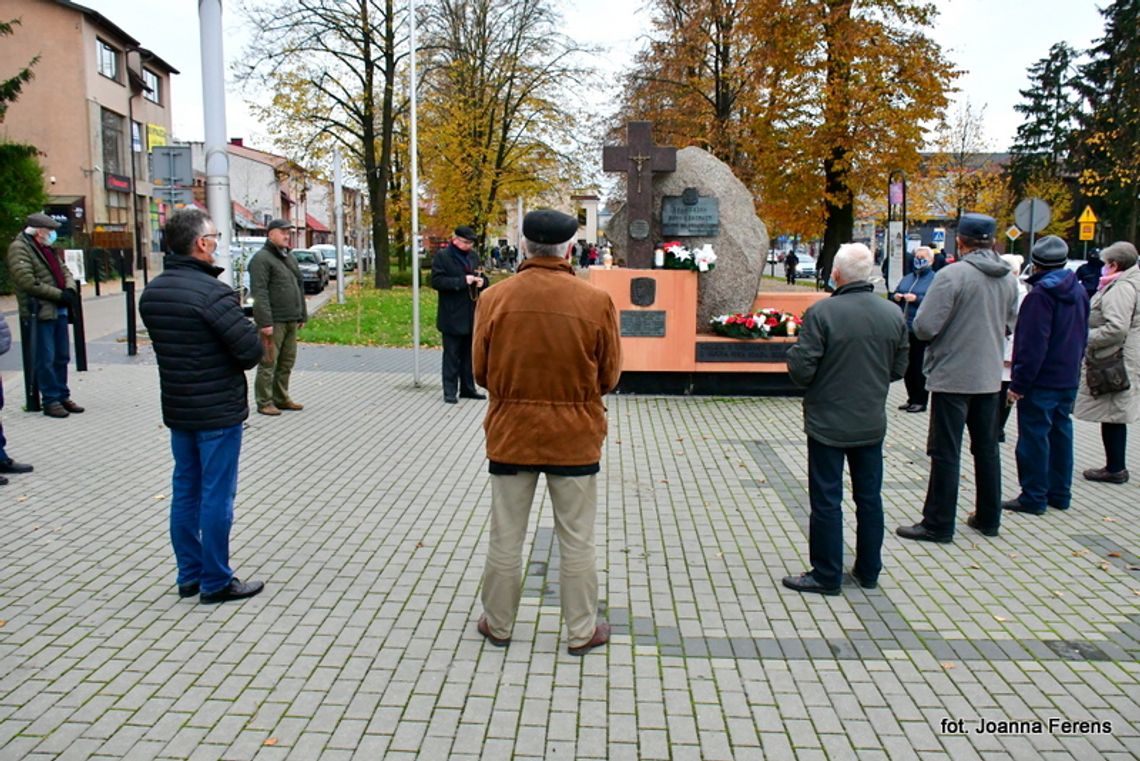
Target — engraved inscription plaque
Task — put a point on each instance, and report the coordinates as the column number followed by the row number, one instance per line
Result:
column 742, row 352
column 639, row 229
column 698, row 219
column 643, row 324
column 643, row 291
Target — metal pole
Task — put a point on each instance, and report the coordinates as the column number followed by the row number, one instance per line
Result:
column 1032, row 224
column 214, row 116
column 338, row 203
column 79, row 334
column 415, row 208
column 132, row 336
column 28, row 345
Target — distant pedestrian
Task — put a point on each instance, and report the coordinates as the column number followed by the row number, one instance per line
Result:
column 279, row 310
column 204, row 344
column 1114, row 327
column 547, row 348
column 1049, row 344
column 791, row 261
column 850, row 348
column 457, row 276
column 965, row 315
column 7, row 464
column 41, row 278
column 909, row 295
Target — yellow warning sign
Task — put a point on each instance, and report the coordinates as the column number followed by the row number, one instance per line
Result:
column 1088, row 230
column 1013, row 233
column 1087, row 218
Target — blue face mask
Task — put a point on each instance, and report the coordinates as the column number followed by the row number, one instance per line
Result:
column 921, row 264
column 51, row 237
column 831, row 283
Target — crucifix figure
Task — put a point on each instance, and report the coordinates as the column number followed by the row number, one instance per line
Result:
column 640, row 154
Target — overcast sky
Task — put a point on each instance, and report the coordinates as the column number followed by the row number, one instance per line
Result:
column 993, row 41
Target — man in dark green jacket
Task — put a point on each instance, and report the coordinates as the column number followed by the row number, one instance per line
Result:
column 279, row 311
column 851, row 347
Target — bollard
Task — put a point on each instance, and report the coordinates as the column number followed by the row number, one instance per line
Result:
column 79, row 335
column 132, row 336
column 28, row 350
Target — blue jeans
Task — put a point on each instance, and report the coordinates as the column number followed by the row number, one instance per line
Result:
column 52, row 355
column 202, row 505
column 1045, row 447
column 825, row 491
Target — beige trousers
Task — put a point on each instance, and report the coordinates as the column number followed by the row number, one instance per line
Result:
column 575, row 501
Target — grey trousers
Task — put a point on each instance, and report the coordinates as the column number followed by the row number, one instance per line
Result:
column 575, row 500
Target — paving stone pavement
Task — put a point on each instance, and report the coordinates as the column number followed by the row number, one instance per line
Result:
column 366, row 515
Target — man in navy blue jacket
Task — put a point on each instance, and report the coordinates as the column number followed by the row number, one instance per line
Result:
column 1048, row 346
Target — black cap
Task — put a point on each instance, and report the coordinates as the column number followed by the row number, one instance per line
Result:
column 280, row 224
column 1050, row 252
column 549, row 226
column 41, row 220
column 465, row 232
column 977, row 226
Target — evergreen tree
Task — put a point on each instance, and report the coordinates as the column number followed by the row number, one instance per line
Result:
column 1047, row 138
column 1110, row 131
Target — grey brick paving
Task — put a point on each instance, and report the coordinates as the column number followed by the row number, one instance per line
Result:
column 366, row 514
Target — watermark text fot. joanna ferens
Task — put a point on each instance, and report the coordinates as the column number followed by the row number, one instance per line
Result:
column 1053, row 725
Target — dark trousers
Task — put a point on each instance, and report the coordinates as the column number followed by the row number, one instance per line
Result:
column 790, row 276
column 914, row 378
column 825, row 491
column 3, row 441
column 1115, row 438
column 1045, row 447
column 950, row 414
column 53, row 352
column 457, row 365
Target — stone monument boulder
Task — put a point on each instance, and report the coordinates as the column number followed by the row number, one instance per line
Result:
column 741, row 244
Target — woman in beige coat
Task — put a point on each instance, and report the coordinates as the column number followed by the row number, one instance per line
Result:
column 1114, row 322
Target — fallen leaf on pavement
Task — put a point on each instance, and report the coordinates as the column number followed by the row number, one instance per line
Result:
column 1114, row 554
column 948, row 666
column 271, row 741
column 1000, row 619
column 1110, row 520
column 159, row 496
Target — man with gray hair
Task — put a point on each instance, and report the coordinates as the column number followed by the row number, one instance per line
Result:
column 547, row 349
column 966, row 315
column 851, row 347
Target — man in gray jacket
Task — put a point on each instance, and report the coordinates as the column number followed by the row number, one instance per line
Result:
column 851, row 347
column 966, row 315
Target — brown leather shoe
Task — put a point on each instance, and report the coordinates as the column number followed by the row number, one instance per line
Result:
column 71, row 406
column 55, row 409
column 269, row 409
column 290, row 405
column 484, row 628
column 601, row 637
column 1104, row 475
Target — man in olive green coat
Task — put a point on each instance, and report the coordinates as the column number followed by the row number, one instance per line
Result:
column 40, row 276
column 279, row 311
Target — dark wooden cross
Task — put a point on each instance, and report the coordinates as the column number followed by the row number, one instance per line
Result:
column 640, row 157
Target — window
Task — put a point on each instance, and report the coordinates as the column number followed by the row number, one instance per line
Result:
column 108, row 60
column 113, row 143
column 153, row 82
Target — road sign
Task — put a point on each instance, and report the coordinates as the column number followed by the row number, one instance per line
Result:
column 1088, row 230
column 175, row 196
column 1087, row 217
column 1032, row 215
column 170, row 165
column 1013, row 233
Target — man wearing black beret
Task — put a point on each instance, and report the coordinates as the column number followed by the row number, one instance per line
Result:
column 459, row 278
column 547, row 349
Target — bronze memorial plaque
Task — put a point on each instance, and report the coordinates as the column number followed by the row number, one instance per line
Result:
column 643, row 291
column 643, row 324
column 639, row 229
column 690, row 216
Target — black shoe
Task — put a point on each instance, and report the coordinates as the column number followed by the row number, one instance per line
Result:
column 805, row 582
column 904, row 405
column 55, row 409
column 235, row 590
column 972, row 522
column 1016, row 506
column 3, row 481
column 450, row 400
column 1104, row 475
column 472, row 395
column 916, row 408
column 11, row 466
column 921, row 533
column 863, row 581
column 188, row 590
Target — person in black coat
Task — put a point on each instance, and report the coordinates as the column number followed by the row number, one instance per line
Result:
column 459, row 278
column 204, row 344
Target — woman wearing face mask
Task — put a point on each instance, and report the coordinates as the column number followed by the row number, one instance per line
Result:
column 909, row 294
column 1114, row 323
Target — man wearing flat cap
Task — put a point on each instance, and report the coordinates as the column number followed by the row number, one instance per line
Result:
column 41, row 278
column 1052, row 330
column 279, row 310
column 459, row 278
column 965, row 316
column 547, row 349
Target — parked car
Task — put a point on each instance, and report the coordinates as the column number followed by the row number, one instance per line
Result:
column 314, row 269
column 806, row 266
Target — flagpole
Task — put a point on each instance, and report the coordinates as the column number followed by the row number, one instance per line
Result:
column 415, row 212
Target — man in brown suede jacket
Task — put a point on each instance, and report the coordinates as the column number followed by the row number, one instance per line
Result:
column 546, row 348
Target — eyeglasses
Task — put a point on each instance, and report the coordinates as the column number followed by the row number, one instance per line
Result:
column 215, row 236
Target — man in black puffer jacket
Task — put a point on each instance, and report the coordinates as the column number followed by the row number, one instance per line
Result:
column 204, row 345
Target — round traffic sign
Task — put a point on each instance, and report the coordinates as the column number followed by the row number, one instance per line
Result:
column 1032, row 215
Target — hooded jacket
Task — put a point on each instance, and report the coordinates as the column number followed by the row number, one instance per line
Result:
column 965, row 316
column 1052, row 329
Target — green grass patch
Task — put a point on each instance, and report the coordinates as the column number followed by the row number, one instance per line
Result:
column 371, row 317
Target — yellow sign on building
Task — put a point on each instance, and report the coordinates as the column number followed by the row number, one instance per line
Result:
column 155, row 135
